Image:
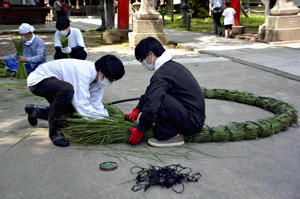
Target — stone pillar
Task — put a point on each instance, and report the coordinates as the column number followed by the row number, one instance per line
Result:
column 283, row 24
column 284, row 7
column 146, row 23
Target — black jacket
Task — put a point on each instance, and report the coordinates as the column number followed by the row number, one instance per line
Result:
column 175, row 80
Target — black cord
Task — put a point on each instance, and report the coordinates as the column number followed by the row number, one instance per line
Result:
column 167, row 176
column 124, row 100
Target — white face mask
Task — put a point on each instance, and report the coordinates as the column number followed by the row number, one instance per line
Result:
column 64, row 32
column 148, row 66
column 28, row 42
column 105, row 82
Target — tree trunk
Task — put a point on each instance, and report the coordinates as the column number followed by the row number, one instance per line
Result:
column 109, row 14
column 170, row 7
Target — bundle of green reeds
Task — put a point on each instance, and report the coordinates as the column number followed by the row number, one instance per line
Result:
column 21, row 72
column 115, row 129
column 65, row 43
column 2, row 69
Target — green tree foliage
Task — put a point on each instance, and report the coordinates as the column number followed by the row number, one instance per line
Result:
column 197, row 7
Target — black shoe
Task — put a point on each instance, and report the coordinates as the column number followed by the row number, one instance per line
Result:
column 32, row 114
column 220, row 33
column 59, row 140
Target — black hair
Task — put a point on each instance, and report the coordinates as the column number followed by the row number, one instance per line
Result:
column 111, row 67
column 62, row 23
column 146, row 45
column 227, row 3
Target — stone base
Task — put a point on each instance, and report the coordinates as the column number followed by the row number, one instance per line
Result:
column 147, row 16
column 237, row 30
column 278, row 22
column 115, row 36
column 135, row 38
column 280, row 28
column 272, row 35
column 145, row 26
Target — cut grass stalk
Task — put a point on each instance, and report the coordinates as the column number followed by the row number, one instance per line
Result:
column 65, row 43
column 21, row 71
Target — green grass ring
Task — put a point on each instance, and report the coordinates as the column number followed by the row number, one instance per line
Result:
column 115, row 128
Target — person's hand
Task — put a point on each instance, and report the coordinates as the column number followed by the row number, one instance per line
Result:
column 132, row 116
column 22, row 58
column 66, row 50
column 1, row 58
column 135, row 137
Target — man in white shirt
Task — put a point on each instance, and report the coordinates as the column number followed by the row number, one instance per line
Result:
column 69, row 84
column 76, row 47
column 215, row 10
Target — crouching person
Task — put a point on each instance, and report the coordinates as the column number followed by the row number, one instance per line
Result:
column 34, row 51
column 68, row 85
column 173, row 101
column 76, row 47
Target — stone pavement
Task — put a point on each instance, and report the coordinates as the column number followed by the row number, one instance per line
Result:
column 32, row 167
column 276, row 59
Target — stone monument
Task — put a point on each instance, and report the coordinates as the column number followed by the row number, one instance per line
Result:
column 283, row 24
column 146, row 23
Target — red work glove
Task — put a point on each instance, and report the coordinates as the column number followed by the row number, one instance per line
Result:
column 135, row 137
column 132, row 116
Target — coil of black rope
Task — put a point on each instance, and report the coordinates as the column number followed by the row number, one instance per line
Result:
column 167, row 176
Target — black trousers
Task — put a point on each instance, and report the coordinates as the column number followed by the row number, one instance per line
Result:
column 173, row 118
column 59, row 94
column 217, row 23
column 76, row 54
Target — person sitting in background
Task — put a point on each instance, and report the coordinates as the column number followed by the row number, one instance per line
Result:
column 76, row 47
column 34, row 51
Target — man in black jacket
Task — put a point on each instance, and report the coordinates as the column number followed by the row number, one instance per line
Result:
column 173, row 101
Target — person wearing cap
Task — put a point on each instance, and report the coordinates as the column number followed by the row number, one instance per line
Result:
column 34, row 51
column 68, row 85
column 76, row 48
column 173, row 101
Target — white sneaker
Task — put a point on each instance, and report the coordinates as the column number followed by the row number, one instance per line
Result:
column 177, row 140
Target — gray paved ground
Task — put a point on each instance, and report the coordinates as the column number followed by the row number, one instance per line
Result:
column 31, row 167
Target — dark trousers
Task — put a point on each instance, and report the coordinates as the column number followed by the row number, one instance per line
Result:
column 173, row 118
column 59, row 94
column 76, row 54
column 217, row 23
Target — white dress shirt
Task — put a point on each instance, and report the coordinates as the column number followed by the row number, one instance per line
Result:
column 88, row 94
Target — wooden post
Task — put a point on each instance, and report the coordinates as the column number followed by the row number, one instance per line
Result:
column 235, row 4
column 123, row 14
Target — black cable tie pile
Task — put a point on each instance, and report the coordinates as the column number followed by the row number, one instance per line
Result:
column 166, row 176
